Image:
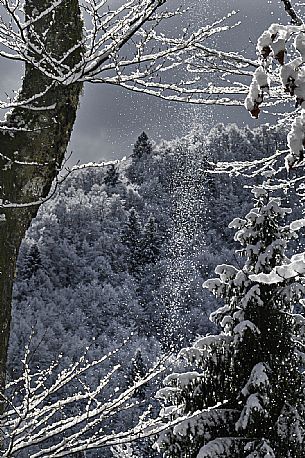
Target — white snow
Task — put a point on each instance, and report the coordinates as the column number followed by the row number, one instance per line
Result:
column 226, row 272
column 216, row 448
column 297, row 224
column 259, row 85
column 253, row 403
column 244, row 326
column 296, row 138
column 258, row 379
column 268, row 279
column 293, row 269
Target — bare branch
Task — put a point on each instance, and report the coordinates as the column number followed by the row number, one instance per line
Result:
column 133, row 28
column 295, row 19
column 32, row 421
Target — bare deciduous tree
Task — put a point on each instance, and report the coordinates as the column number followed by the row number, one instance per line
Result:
column 63, row 44
column 36, row 131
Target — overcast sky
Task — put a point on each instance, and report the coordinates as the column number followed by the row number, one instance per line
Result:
column 110, row 119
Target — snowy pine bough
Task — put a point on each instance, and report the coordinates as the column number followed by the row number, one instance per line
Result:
column 247, row 392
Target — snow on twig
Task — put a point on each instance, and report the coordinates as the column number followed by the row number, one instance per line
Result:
column 33, row 420
column 152, row 55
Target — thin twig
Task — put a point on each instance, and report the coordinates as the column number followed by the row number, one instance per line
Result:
column 295, row 19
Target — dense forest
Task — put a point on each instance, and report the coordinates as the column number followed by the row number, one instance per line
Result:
column 122, row 250
column 152, row 306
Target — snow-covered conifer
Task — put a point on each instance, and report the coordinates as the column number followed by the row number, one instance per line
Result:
column 32, row 262
column 137, row 371
column 142, row 146
column 112, row 175
column 142, row 160
column 246, row 397
column 150, row 244
column 132, row 239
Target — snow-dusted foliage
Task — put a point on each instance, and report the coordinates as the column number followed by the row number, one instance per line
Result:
column 125, row 257
column 109, row 257
column 247, row 392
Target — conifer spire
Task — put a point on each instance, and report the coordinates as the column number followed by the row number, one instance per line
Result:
column 142, row 146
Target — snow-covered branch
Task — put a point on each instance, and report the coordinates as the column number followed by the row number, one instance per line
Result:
column 249, row 169
column 126, row 46
column 53, row 412
column 281, row 50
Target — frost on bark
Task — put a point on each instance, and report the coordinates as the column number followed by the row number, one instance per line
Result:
column 36, row 136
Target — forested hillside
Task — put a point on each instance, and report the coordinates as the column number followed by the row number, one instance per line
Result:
column 123, row 250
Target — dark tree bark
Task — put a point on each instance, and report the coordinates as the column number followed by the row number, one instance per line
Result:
column 45, row 143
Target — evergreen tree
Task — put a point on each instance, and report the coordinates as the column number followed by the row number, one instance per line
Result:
column 112, row 176
column 150, row 244
column 247, row 396
column 32, row 262
column 132, row 236
column 138, row 371
column 142, row 146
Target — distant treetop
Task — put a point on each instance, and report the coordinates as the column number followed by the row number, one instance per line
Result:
column 142, row 146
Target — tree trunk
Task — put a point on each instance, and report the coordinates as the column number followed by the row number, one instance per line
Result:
column 44, row 141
